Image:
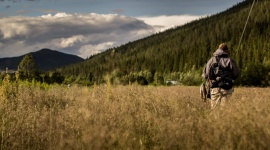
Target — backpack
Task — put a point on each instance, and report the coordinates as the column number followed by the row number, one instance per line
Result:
column 220, row 75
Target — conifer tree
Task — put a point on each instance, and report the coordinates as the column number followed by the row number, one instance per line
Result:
column 28, row 67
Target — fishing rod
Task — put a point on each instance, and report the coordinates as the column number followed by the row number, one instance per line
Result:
column 245, row 25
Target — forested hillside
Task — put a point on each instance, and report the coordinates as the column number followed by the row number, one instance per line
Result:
column 180, row 54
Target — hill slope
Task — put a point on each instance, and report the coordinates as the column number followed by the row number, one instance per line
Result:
column 45, row 58
column 171, row 54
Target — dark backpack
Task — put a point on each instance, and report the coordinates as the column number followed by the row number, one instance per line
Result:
column 220, row 75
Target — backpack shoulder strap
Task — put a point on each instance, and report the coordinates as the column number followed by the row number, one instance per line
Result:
column 217, row 59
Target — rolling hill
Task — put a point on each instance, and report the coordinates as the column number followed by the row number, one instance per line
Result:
column 46, row 59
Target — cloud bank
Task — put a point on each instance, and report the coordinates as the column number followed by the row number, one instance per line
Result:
column 78, row 34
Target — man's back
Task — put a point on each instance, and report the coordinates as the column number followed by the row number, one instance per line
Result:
column 222, row 60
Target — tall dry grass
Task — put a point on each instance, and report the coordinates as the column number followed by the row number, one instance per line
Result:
column 36, row 116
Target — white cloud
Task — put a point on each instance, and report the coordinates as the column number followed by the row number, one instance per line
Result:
column 163, row 23
column 69, row 42
column 88, row 50
column 78, row 34
column 69, row 33
column 13, row 29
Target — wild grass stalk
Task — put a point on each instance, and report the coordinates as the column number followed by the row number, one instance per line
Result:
column 130, row 117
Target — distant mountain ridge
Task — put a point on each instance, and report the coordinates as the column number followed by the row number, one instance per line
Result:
column 46, row 59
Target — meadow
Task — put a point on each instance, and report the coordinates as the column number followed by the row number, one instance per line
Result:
column 39, row 116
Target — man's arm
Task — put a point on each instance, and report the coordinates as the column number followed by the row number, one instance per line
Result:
column 207, row 68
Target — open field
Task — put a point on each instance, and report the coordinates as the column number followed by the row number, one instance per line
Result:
column 35, row 116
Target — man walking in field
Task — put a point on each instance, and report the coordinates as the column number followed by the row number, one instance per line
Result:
column 220, row 72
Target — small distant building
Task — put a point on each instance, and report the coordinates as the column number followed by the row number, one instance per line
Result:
column 172, row 82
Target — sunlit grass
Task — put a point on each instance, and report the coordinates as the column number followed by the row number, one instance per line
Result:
column 37, row 116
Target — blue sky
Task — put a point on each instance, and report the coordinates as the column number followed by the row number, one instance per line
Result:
column 133, row 8
column 86, row 27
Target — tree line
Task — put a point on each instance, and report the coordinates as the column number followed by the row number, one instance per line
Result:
column 28, row 70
